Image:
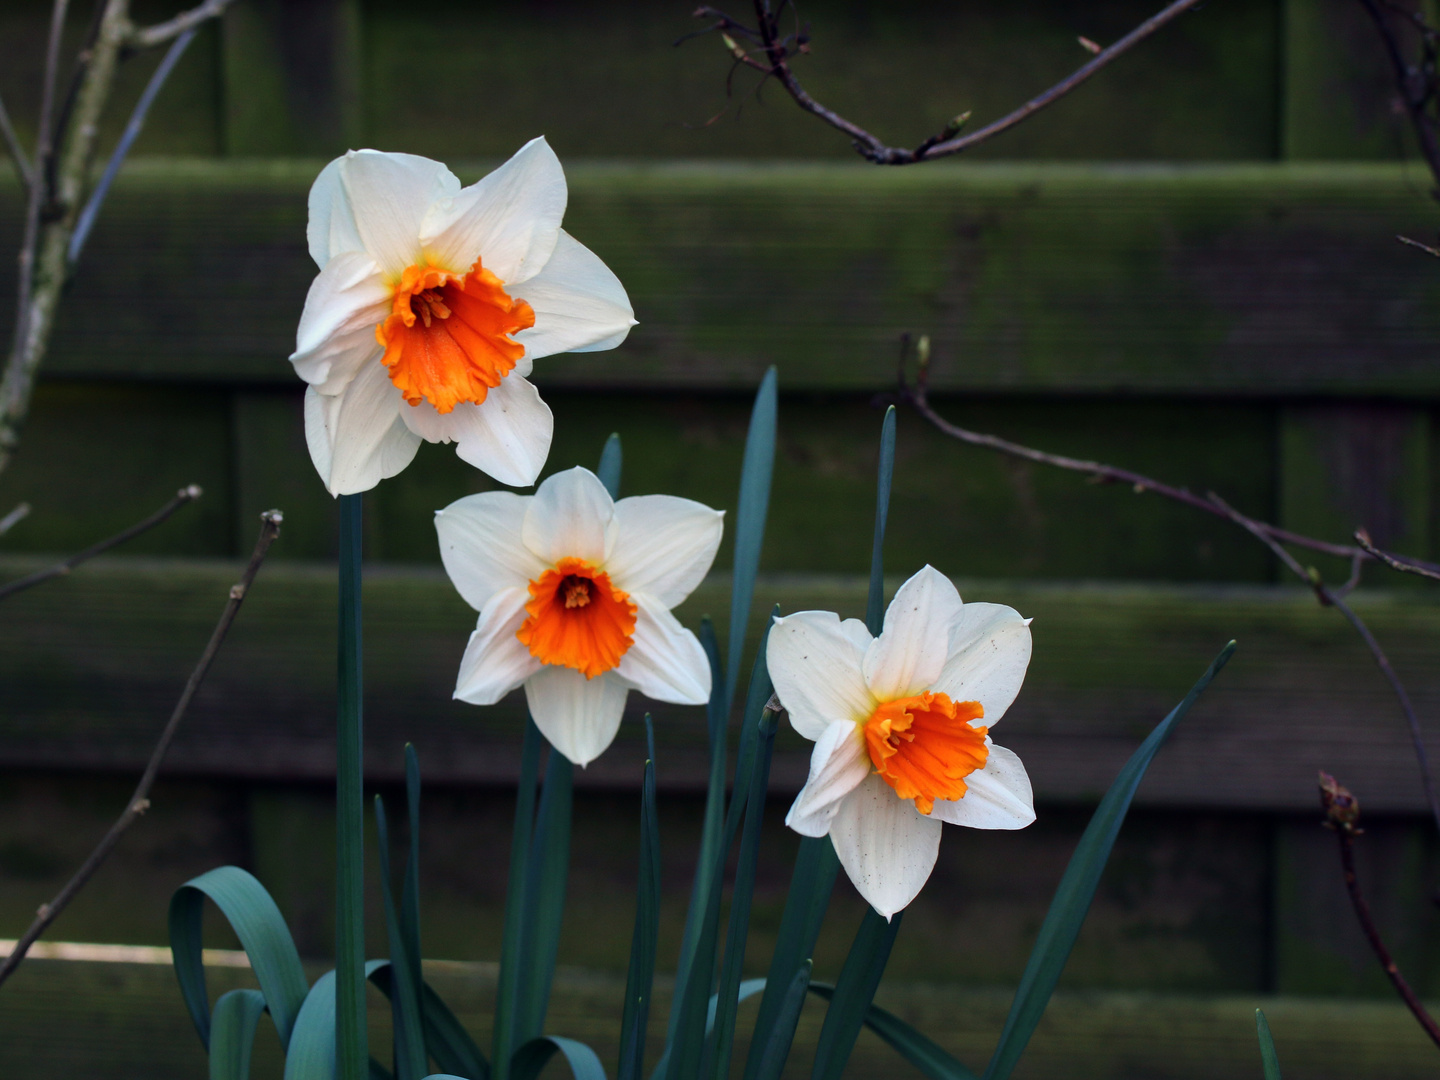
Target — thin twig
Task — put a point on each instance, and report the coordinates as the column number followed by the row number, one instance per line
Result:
column 1405, row 566
column 140, row 800
column 777, row 53
column 1342, row 812
column 1415, row 83
column 1435, row 251
column 12, row 144
column 150, row 36
column 14, row 517
column 86, row 221
column 64, row 566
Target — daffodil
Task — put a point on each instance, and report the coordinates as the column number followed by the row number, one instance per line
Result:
column 431, row 305
column 575, row 592
column 897, row 724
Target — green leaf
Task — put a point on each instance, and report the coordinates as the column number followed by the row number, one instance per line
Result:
column 611, row 458
column 748, row 989
column 311, row 1053
column 640, row 981
column 350, row 805
column 1077, row 888
column 232, row 1033
column 755, row 699
column 410, row 897
column 722, row 1040
column 914, row 1047
column 854, row 993
column 545, row 879
column 811, row 883
column 875, row 605
column 513, row 932
column 756, row 471
column 1268, row 1061
column 252, row 914
column 445, row 1037
column 411, row 1062
column 536, row 1054
column 776, row 1049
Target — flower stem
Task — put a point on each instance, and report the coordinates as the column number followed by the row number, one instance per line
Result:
column 352, row 1056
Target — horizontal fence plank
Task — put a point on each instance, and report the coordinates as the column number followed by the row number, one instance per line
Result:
column 1252, row 280
column 89, row 667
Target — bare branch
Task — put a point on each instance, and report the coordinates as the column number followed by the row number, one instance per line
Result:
column 140, row 800
column 776, row 63
column 14, row 517
column 1342, row 813
column 1395, row 562
column 17, row 152
column 64, row 566
column 1417, row 244
column 1416, row 83
column 150, row 36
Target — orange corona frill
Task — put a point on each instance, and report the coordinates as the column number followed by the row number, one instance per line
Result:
column 447, row 337
column 924, row 746
column 577, row 619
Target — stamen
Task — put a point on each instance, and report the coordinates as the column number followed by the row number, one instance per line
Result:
column 576, row 590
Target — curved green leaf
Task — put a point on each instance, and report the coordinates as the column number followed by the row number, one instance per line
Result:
column 446, row 1039
column 753, row 505
column 854, row 992
column 545, row 879
column 1268, row 1061
column 311, row 1053
column 640, row 980
column 875, row 605
column 512, row 940
column 257, row 922
column 1077, row 888
column 411, row 1062
column 782, row 1032
column 611, row 458
column 910, row 1044
column 535, row 1054
column 232, row 1033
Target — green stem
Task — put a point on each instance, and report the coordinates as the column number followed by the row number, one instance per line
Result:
column 352, row 1055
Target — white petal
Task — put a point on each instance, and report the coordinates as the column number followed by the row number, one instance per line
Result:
column 838, row 764
column 663, row 546
column 390, row 194
column 666, row 661
column 356, row 437
column 579, row 303
column 579, row 716
column 858, row 632
column 989, row 652
column 571, row 516
column 495, row 660
column 886, row 846
column 331, row 226
column 815, row 666
column 910, row 652
column 481, row 547
column 999, row 795
column 509, row 220
column 507, row 435
column 336, row 335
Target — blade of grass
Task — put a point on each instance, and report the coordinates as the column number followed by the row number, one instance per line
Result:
column 640, row 981
column 411, row 1062
column 753, row 505
column 1077, row 888
column 854, row 992
column 513, row 933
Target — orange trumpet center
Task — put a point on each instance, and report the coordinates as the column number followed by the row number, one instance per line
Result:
column 577, row 619
column 447, row 337
column 924, row 746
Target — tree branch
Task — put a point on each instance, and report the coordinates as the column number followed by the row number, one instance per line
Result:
column 1416, row 84
column 1395, row 562
column 778, row 51
column 14, row 517
column 64, row 566
column 17, row 152
column 1342, row 812
column 140, row 800
column 150, row 36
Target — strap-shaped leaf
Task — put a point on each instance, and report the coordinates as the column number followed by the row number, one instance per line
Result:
column 512, row 935
column 875, row 605
column 912, row 1045
column 1077, row 888
column 756, row 696
column 748, row 989
column 611, row 460
column 640, row 980
column 232, row 1033
column 545, row 880
column 1268, row 1061
column 854, row 992
column 257, row 922
column 772, row 1056
column 311, row 1053
column 446, row 1039
column 756, row 471
column 811, row 883
column 411, row 1062
column 410, row 897
column 536, row 1054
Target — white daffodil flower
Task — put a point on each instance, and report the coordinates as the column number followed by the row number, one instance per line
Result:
column 432, row 303
column 574, row 592
column 895, row 720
